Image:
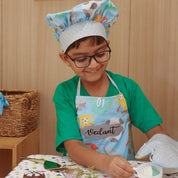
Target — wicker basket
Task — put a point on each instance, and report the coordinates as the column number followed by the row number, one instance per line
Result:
column 21, row 116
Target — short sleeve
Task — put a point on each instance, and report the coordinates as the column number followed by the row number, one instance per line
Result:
column 67, row 126
column 142, row 113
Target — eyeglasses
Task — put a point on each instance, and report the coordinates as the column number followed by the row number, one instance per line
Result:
column 85, row 61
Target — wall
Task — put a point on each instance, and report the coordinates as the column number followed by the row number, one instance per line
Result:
column 153, row 58
column 143, row 41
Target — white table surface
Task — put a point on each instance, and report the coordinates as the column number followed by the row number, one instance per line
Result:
column 29, row 168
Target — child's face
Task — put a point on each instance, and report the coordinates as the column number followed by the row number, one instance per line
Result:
column 95, row 70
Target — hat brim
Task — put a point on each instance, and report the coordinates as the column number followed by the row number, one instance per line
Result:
column 81, row 30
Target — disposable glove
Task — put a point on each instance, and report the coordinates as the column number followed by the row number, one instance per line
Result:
column 3, row 102
column 163, row 151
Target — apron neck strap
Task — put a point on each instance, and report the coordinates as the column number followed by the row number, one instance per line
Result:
column 112, row 81
column 78, row 87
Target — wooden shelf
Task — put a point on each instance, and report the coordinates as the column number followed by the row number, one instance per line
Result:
column 13, row 148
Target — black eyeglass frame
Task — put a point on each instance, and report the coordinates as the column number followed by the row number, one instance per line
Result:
column 93, row 56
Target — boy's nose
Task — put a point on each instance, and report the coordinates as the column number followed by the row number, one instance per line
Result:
column 93, row 62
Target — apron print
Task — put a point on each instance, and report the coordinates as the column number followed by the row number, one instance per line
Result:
column 111, row 130
column 100, row 105
column 86, row 120
column 121, row 100
column 80, row 103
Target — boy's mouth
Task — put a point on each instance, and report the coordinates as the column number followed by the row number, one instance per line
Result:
column 92, row 71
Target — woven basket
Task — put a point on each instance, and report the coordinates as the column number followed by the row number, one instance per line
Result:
column 21, row 116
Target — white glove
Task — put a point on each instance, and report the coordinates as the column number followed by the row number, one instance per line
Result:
column 163, row 151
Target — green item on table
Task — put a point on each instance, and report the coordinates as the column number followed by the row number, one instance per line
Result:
column 47, row 164
column 155, row 171
column 51, row 165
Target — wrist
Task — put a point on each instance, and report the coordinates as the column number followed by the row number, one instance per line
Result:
column 104, row 162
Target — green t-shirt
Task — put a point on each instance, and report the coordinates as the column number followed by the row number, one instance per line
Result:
column 142, row 114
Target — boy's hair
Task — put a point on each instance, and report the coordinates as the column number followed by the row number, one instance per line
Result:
column 94, row 40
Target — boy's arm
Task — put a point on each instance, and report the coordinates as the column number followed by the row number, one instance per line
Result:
column 155, row 130
column 115, row 166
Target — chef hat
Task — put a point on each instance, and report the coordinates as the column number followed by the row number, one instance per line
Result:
column 92, row 18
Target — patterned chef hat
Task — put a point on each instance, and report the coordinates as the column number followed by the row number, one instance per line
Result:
column 92, row 18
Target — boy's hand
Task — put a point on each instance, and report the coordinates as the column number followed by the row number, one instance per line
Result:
column 119, row 167
column 115, row 166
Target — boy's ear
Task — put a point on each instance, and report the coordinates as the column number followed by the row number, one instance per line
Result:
column 64, row 58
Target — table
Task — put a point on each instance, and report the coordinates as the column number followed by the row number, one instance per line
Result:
column 31, row 168
column 28, row 168
column 13, row 148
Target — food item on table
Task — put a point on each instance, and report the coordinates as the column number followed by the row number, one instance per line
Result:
column 34, row 174
column 146, row 171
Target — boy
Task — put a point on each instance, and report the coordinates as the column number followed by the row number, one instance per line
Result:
column 96, row 108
